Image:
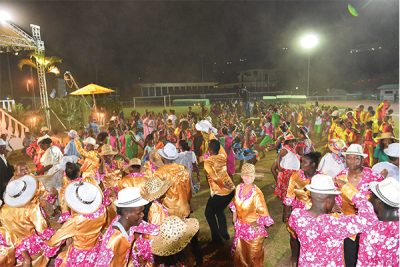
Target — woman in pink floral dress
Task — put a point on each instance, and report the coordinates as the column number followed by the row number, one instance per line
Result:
column 250, row 217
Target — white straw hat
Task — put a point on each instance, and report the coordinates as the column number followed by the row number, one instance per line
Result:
column 203, row 126
column 322, row 184
column 169, row 152
column 393, row 150
column 387, row 190
column 130, row 197
column 44, row 137
column 355, row 149
column 83, row 197
column 20, row 191
column 2, row 142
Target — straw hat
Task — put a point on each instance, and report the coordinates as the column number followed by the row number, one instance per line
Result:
column 175, row 234
column 44, row 129
column 169, row 152
column 355, row 149
column 20, row 191
column 90, row 141
column 203, row 126
column 106, row 150
column 393, row 150
column 336, row 145
column 42, row 138
column 83, row 197
column 133, row 162
column 249, row 170
column 386, row 136
column 335, row 113
column 387, row 190
column 322, row 184
column 155, row 188
column 130, row 197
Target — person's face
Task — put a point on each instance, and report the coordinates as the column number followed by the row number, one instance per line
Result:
column 307, row 165
column 22, row 170
column 3, row 150
column 377, row 204
column 89, row 147
column 43, row 146
column 348, row 125
column 109, row 158
column 387, row 141
column 248, row 179
column 329, row 202
column 353, row 162
column 134, row 216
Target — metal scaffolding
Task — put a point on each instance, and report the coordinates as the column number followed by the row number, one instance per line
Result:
column 13, row 39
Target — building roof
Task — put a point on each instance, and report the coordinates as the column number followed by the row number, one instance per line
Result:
column 389, row 86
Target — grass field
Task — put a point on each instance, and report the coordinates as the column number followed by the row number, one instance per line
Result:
column 277, row 250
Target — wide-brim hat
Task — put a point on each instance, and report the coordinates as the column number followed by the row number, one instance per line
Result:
column 83, row 197
column 130, row 197
column 387, row 136
column 387, row 190
column 249, row 170
column 355, row 149
column 107, row 150
column 393, row 150
column 336, row 145
column 322, row 184
column 335, row 113
column 203, row 126
column 42, row 138
column 20, row 191
column 175, row 234
column 154, row 188
column 169, row 152
column 90, row 141
column 304, row 130
column 289, row 137
column 133, row 162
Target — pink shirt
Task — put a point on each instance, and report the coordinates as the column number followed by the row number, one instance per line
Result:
column 379, row 246
column 322, row 237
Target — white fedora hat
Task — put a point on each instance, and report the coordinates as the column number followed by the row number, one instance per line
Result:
column 169, row 152
column 130, row 197
column 90, row 141
column 393, row 150
column 355, row 149
column 44, row 137
column 20, row 191
column 387, row 190
column 203, row 126
column 83, row 197
column 322, row 184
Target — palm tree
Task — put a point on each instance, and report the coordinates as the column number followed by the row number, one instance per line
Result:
column 48, row 62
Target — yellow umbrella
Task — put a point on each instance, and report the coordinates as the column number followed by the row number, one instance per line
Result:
column 92, row 89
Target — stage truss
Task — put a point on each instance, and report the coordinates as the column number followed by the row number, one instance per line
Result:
column 14, row 39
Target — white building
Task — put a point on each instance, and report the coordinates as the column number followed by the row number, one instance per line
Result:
column 389, row 92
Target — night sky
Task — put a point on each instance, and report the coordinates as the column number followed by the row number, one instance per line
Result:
column 125, row 42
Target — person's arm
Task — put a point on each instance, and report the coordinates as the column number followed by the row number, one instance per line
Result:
column 290, row 196
column 81, row 150
column 281, row 154
column 264, row 219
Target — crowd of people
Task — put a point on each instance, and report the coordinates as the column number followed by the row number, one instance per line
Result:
column 122, row 195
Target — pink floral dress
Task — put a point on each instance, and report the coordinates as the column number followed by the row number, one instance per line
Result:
column 379, row 246
column 321, row 238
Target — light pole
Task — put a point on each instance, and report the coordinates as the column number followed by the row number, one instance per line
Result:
column 308, row 42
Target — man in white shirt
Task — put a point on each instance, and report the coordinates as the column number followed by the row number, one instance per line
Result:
column 390, row 168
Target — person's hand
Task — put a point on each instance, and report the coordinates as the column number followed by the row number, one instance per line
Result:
column 27, row 261
column 340, row 183
column 68, row 242
column 384, row 173
column 337, row 209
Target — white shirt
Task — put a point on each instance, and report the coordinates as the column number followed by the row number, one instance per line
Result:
column 393, row 170
column 290, row 161
column 51, row 156
column 329, row 166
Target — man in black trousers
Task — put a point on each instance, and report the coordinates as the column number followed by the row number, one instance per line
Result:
column 6, row 170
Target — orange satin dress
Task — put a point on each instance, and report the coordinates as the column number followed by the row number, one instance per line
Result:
column 157, row 213
column 132, row 181
column 119, row 245
column 7, row 251
column 297, row 195
column 92, row 160
column 217, row 176
column 177, row 198
column 250, row 209
column 22, row 223
column 83, row 231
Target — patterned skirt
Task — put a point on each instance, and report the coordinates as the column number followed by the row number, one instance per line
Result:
column 283, row 183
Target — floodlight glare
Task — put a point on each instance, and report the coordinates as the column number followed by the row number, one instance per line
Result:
column 5, row 16
column 309, row 41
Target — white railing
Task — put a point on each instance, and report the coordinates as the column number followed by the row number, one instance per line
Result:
column 8, row 105
column 15, row 129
